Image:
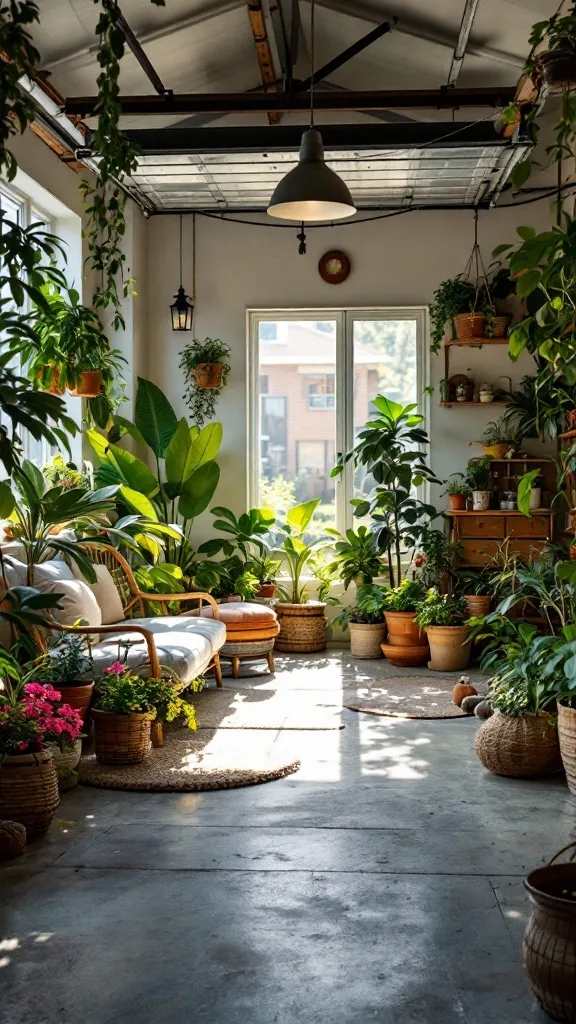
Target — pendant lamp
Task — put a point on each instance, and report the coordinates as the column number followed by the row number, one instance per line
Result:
column 311, row 191
column 182, row 308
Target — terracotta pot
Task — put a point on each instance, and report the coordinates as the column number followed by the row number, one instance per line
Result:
column 303, row 627
column 208, row 375
column 406, row 657
column 88, row 385
column 519, row 746
column 559, row 69
column 54, row 388
column 481, row 501
column 500, row 326
column 478, row 604
column 470, row 325
column 571, row 420
column 449, row 651
column 567, row 739
column 550, row 939
column 267, row 590
column 403, row 631
column 497, row 451
column 366, row 638
column 121, row 739
column 29, row 791
column 457, row 502
column 78, row 696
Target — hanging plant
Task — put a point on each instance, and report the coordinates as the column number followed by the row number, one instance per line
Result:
column 206, row 366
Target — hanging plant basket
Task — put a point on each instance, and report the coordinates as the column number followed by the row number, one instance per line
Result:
column 89, row 384
column 469, row 325
column 499, row 326
column 208, row 375
column 559, row 68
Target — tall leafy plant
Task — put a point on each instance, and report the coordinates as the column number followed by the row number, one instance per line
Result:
column 390, row 447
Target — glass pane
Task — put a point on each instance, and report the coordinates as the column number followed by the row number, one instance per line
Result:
column 384, row 364
column 297, row 416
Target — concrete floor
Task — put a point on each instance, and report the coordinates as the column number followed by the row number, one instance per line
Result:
column 382, row 882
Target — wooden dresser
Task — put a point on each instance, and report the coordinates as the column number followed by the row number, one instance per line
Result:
column 481, row 534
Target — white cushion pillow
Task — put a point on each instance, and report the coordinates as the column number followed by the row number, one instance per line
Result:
column 105, row 592
column 45, row 572
column 76, row 601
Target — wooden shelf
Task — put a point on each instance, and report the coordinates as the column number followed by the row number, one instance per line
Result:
column 477, row 405
column 475, row 342
column 501, row 512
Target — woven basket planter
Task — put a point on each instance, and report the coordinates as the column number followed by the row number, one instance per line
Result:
column 559, row 68
column 470, row 325
column 521, row 746
column 366, row 638
column 567, row 739
column 121, row 739
column 65, row 761
column 303, row 627
column 500, row 326
column 12, row 839
column 550, row 938
column 29, row 791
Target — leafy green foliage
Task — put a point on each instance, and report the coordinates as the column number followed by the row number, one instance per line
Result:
column 452, row 297
column 357, row 556
column 500, row 432
column 456, row 484
column 441, row 610
column 539, row 406
column 68, row 660
column 368, row 609
column 478, row 474
column 17, row 108
column 502, row 639
column 540, row 675
column 25, row 608
column 296, row 553
column 406, row 596
column 202, row 401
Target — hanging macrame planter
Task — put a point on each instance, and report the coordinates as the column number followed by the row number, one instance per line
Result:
column 477, row 322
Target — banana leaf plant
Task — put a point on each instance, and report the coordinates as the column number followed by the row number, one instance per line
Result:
column 297, row 554
column 186, row 476
column 390, row 447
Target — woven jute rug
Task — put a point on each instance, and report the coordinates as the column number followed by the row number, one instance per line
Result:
column 250, row 708
column 417, row 696
column 188, row 761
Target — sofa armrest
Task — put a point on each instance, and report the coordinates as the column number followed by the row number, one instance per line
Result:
column 146, row 635
column 195, row 596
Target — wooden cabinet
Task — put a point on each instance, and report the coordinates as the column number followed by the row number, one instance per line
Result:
column 482, row 534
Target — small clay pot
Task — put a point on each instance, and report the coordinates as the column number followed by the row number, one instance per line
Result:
column 89, row 384
column 457, row 502
column 267, row 590
column 208, row 375
column 478, row 604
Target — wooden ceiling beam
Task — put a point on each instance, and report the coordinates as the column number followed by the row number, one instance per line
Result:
column 264, row 53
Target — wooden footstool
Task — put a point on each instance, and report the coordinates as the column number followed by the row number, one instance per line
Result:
column 251, row 630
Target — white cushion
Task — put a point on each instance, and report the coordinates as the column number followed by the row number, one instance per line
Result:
column 46, row 572
column 105, row 592
column 184, row 645
column 76, row 602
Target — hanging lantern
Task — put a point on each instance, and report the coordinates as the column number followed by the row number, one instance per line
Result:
column 182, row 308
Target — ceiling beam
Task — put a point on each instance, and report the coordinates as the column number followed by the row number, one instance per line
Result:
column 470, row 9
column 286, row 138
column 285, row 15
column 146, row 64
column 348, row 53
column 264, row 53
column 253, row 102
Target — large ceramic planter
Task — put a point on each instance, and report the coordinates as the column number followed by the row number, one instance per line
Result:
column 519, row 746
column 121, row 739
column 478, row 604
column 89, row 384
column 407, row 645
column 366, row 638
column 470, row 325
column 303, row 627
column 449, row 649
column 550, row 939
column 208, row 375
column 567, row 739
column 78, row 697
column 29, row 791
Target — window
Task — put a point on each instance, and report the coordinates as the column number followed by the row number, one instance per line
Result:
column 313, row 383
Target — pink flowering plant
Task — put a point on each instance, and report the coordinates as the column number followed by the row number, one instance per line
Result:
column 121, row 691
column 32, row 714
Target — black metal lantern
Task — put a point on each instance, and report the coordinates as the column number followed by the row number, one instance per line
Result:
column 182, row 308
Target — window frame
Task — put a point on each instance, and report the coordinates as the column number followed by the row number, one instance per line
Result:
column 344, row 385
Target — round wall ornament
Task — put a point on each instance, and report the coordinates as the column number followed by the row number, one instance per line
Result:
column 334, row 266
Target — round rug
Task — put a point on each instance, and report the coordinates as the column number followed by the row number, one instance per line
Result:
column 188, row 761
column 411, row 697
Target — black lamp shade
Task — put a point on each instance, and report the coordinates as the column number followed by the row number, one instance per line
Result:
column 311, row 191
column 181, row 311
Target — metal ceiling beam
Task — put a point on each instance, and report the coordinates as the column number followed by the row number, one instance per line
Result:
column 146, row 65
column 264, row 54
column 252, row 102
column 348, row 53
column 285, row 138
column 285, row 15
column 470, row 9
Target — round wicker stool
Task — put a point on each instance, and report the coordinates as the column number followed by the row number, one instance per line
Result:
column 251, row 630
column 249, row 650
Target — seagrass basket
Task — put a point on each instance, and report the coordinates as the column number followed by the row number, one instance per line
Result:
column 567, row 738
column 303, row 627
column 365, row 639
column 29, row 791
column 121, row 739
column 519, row 746
column 550, row 939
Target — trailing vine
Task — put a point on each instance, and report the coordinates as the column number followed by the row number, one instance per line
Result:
column 16, row 107
column 118, row 157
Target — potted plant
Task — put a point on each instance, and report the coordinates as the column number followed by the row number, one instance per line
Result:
column 442, row 618
column 499, row 439
column 365, row 620
column 407, row 644
column 540, row 406
column 206, row 366
column 486, row 394
column 558, row 62
column 358, row 559
column 478, row 479
column 457, row 491
column 477, row 588
column 455, row 302
column 31, row 716
column 59, row 473
column 265, row 569
column 68, row 666
column 303, row 625
column 248, row 566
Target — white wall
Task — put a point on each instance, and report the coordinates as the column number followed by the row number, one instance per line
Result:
column 398, row 261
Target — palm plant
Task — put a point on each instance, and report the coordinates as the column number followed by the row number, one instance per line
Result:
column 357, row 556
column 389, row 447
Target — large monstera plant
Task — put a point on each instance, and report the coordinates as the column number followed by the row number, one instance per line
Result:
column 182, row 487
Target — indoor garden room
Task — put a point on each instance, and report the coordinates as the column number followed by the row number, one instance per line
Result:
column 287, row 511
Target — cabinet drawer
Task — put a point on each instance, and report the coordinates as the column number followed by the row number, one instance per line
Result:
column 536, row 526
column 479, row 552
column 527, row 549
column 482, row 526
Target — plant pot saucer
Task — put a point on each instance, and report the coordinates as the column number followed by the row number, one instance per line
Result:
column 405, row 657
